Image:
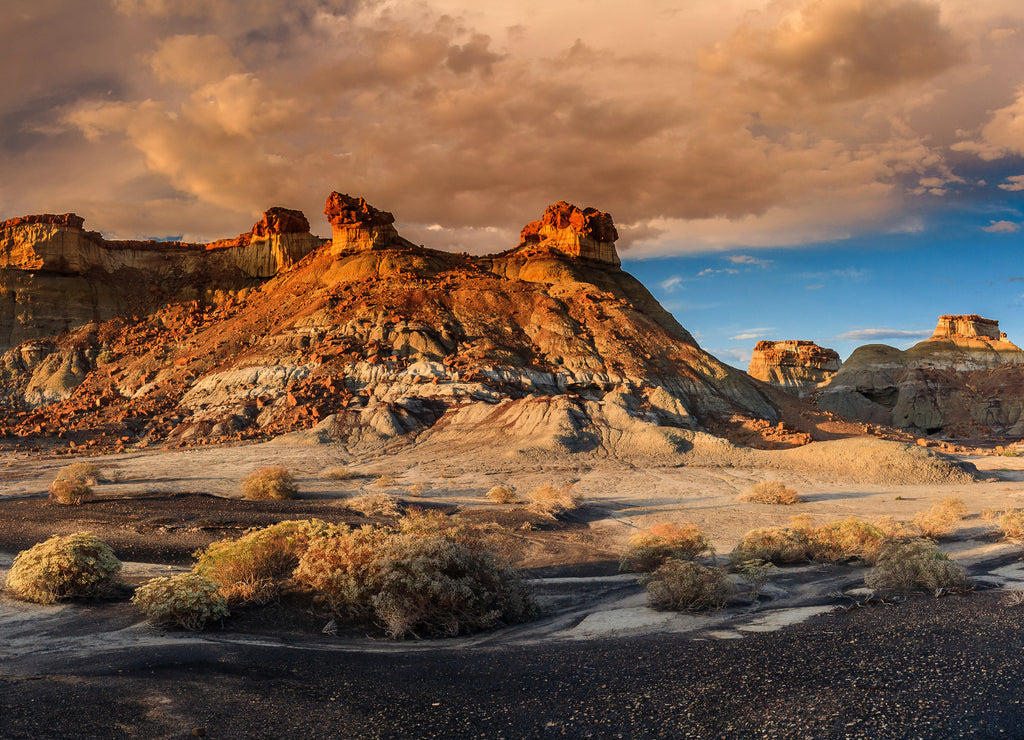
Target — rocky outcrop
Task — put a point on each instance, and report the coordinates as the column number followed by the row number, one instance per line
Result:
column 55, row 275
column 965, row 380
column 796, row 366
column 586, row 233
column 387, row 344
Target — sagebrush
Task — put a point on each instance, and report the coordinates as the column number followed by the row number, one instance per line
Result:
column 648, row 550
column 73, row 483
column 1011, row 524
column 771, row 492
column 681, row 585
column 375, row 504
column 186, row 600
column 73, row 566
column 939, row 520
column 554, row 500
column 502, row 495
column 274, row 482
column 912, row 565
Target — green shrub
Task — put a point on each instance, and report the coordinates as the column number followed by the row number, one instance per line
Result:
column 502, row 495
column 271, row 483
column 779, row 545
column 648, row 550
column 916, row 564
column 253, row 568
column 680, row 585
column 554, row 501
column 771, row 492
column 74, row 566
column 187, row 600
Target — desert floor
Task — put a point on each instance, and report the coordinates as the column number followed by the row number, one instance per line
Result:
column 804, row 662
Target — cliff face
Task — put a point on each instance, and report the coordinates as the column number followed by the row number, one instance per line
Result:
column 964, row 380
column 376, row 343
column 55, row 276
column 795, row 366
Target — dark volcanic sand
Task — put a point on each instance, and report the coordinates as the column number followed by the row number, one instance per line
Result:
column 926, row 668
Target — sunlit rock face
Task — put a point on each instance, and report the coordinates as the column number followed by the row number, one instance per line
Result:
column 376, row 343
column 965, row 380
column 796, row 366
column 586, row 233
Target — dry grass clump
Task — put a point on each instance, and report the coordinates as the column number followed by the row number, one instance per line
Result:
column 503, row 495
column 553, row 501
column 73, row 566
column 649, row 550
column 778, row 545
column 912, row 565
column 253, row 568
column 339, row 473
column 849, row 539
column 771, row 492
column 73, row 483
column 938, row 521
column 270, row 483
column 416, row 489
column 427, row 579
column 187, row 600
column 375, row 504
column 384, row 481
column 1011, row 523
column 680, row 585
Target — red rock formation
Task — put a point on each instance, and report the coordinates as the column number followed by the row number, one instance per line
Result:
column 356, row 225
column 586, row 233
column 967, row 326
column 279, row 220
column 797, row 366
column 70, row 220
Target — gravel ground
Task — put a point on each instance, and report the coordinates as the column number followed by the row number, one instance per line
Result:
column 927, row 668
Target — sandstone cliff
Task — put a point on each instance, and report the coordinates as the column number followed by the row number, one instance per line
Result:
column 965, row 380
column 796, row 366
column 376, row 343
column 55, row 276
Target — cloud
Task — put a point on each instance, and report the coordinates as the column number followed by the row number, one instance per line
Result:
column 1002, row 227
column 746, row 259
column 1003, row 134
column 712, row 271
column 1013, row 184
column 671, row 283
column 848, row 274
column 873, row 335
column 752, row 334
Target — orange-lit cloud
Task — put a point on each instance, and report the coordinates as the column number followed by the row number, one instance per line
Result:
column 734, row 123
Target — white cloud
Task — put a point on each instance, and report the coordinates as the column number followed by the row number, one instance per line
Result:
column 873, row 335
column 671, row 283
column 1013, row 184
column 1002, row 227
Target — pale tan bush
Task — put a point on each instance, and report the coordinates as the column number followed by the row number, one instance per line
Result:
column 844, row 540
column 74, row 566
column 270, row 483
column 680, row 585
column 771, row 492
column 375, row 504
column 416, row 489
column 341, row 567
column 938, row 521
column 83, row 472
column 186, row 600
column 1011, row 523
column 253, row 568
column 69, row 493
column 553, row 501
column 917, row 564
column 649, row 550
column 777, row 545
column 503, row 495
column 384, row 481
column 340, row 473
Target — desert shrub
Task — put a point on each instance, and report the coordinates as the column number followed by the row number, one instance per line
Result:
column 69, row 493
column 253, row 568
column 916, row 564
column 375, row 504
column 436, row 587
column 384, row 481
column 777, row 545
column 755, row 573
column 434, row 576
column 680, row 585
column 82, row 472
column 502, row 495
column 1011, row 523
column 894, row 530
column 938, row 521
column 339, row 473
column 416, row 489
column 271, row 483
column 553, row 501
column 76, row 565
column 187, row 600
column 771, row 492
column 647, row 551
column 844, row 540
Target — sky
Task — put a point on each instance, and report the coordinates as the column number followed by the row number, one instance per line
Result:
column 842, row 171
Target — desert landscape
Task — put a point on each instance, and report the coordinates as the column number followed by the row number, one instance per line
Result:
column 440, row 398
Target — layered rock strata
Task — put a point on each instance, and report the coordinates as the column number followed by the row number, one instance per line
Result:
column 796, row 366
column 531, row 351
column 965, row 380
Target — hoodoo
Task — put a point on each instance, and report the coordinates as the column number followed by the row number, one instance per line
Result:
column 796, row 366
